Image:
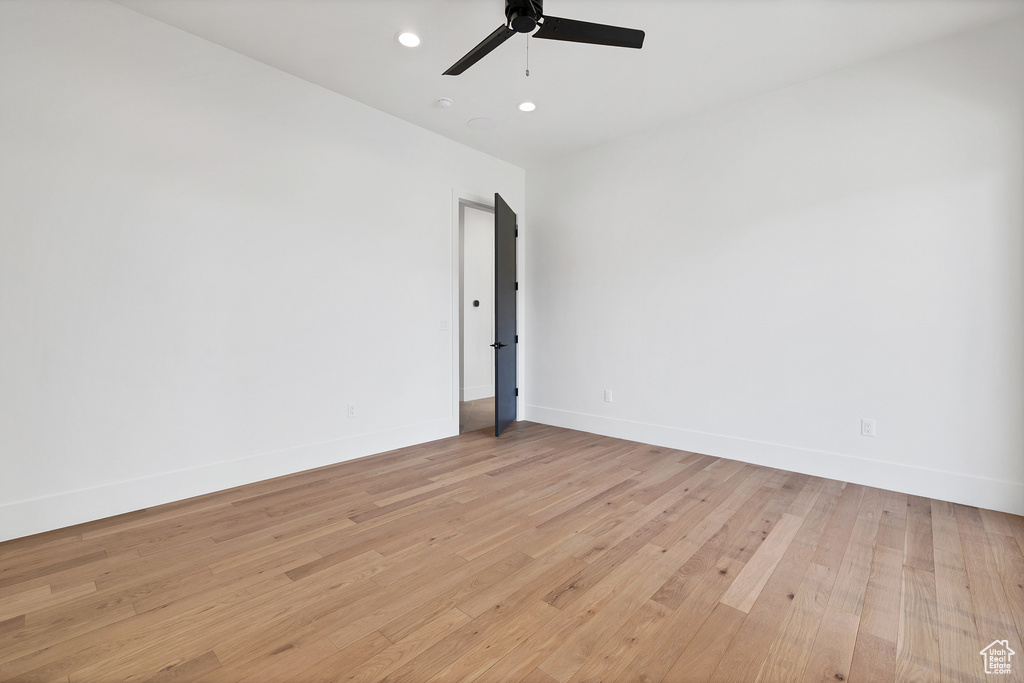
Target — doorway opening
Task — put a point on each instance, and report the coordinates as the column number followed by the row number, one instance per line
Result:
column 476, row 316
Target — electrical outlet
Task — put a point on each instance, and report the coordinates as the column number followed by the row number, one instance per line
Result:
column 607, row 395
column 351, row 410
column 867, row 427
column 444, row 323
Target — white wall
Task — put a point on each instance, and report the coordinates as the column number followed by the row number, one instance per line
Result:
column 753, row 281
column 203, row 261
column 478, row 321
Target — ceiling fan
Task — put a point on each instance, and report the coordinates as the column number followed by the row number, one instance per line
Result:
column 523, row 16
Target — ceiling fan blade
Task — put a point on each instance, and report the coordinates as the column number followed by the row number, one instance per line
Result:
column 500, row 35
column 574, row 31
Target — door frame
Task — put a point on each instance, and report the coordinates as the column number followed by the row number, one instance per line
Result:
column 461, row 312
column 460, row 198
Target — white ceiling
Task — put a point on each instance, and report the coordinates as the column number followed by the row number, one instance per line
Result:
column 698, row 54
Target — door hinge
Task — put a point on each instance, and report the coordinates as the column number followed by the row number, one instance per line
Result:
column 517, row 339
column 517, row 391
column 517, row 232
column 517, row 286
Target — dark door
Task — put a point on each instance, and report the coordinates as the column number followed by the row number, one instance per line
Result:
column 505, row 339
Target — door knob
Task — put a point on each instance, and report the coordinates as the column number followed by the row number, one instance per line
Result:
column 497, row 345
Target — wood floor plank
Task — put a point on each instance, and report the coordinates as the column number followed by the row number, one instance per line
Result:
column 689, row 516
column 187, row 671
column 106, row 641
column 918, row 553
column 854, row 570
column 880, row 615
column 548, row 639
column 474, row 662
column 42, row 598
column 417, row 595
column 18, row 557
column 45, row 629
column 704, row 587
column 832, row 545
column 350, row 658
column 874, row 659
column 1016, row 524
column 292, row 614
column 991, row 607
column 709, row 644
column 614, row 656
column 616, row 598
column 428, row 610
column 832, row 652
column 537, row 676
column 483, row 626
column 958, row 636
column 169, row 590
column 10, row 576
column 917, row 649
column 548, row 555
column 677, row 476
column 996, row 522
column 12, row 624
column 545, row 562
column 407, row 648
column 770, row 611
column 275, row 665
column 793, row 646
column 1009, row 563
column 746, row 587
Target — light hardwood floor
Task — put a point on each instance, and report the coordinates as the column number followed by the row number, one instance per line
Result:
column 478, row 414
column 547, row 555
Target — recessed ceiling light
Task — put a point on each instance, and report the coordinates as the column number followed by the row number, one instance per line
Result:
column 408, row 39
column 527, row 106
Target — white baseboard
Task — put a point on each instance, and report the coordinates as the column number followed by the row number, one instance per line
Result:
column 955, row 487
column 474, row 393
column 27, row 517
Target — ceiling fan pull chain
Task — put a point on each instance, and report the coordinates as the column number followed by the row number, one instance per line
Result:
column 527, row 56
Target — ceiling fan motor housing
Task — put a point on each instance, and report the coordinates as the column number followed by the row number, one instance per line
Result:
column 527, row 16
column 523, row 15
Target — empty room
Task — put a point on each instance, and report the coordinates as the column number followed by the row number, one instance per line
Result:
column 509, row 340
